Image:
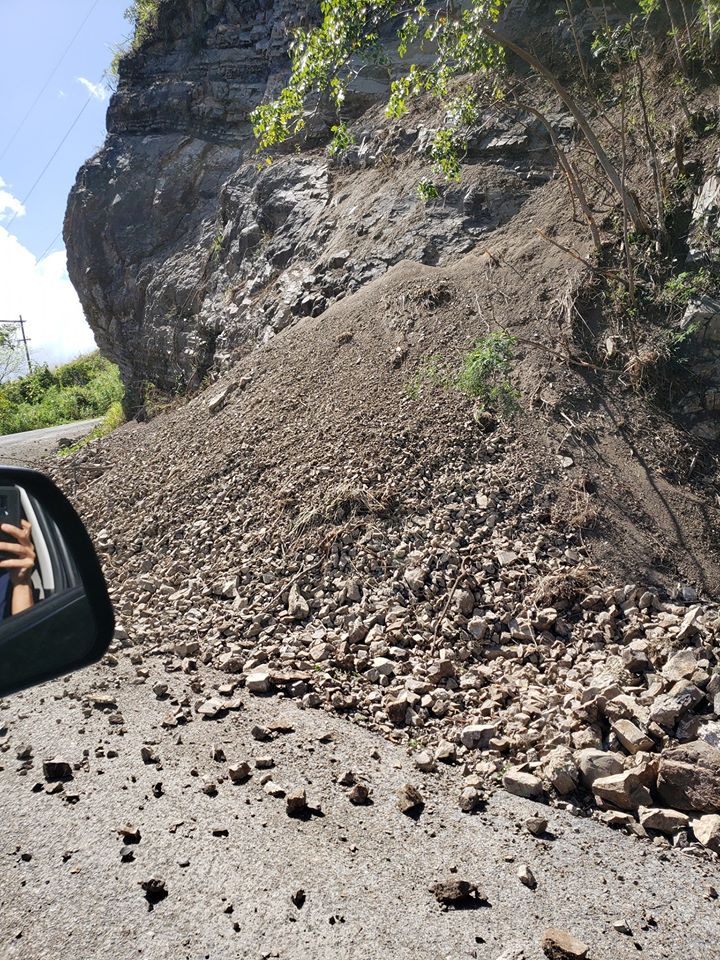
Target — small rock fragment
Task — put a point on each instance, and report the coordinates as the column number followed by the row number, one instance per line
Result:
column 623, row 790
column 477, row 736
column 359, row 795
column 409, row 800
column 57, row 769
column 594, row 764
column 148, row 755
column 273, row 789
column 458, row 894
column 689, row 777
column 470, row 799
column 424, row 762
column 522, row 784
column 561, row 770
column 212, row 708
column 537, row 826
column 526, row 876
column 446, row 752
column 239, row 772
column 663, row 820
column 298, row 607
column 296, row 803
column 130, row 833
column 632, row 737
column 561, row 945
column 258, row 682
column 707, row 831
column 155, row 891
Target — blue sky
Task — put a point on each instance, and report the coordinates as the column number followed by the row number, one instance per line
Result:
column 34, row 35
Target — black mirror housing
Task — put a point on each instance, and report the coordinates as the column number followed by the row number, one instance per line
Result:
column 67, row 620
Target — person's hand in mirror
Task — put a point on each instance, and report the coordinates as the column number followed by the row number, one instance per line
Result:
column 16, row 570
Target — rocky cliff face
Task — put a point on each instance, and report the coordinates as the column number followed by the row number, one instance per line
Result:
column 185, row 252
column 142, row 217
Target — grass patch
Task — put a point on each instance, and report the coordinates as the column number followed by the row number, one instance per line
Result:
column 484, row 374
column 430, row 374
column 143, row 15
column 80, row 390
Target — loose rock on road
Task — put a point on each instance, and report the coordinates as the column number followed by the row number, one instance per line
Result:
column 180, row 845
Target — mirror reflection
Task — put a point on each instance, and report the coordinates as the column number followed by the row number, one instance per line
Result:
column 55, row 612
column 33, row 566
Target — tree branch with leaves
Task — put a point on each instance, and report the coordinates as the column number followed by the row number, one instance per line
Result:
column 467, row 42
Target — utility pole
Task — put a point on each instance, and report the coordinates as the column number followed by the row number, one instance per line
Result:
column 25, row 341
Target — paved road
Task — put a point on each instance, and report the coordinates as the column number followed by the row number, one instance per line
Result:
column 232, row 860
column 29, row 448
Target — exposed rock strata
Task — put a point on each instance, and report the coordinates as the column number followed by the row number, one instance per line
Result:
column 185, row 251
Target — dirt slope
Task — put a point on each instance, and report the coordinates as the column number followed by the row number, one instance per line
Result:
column 327, row 400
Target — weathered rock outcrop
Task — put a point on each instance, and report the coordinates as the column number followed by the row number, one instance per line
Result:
column 185, row 251
column 141, row 218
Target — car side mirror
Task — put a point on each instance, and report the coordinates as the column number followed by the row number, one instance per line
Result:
column 55, row 612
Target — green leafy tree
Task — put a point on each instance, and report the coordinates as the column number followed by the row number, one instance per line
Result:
column 467, row 42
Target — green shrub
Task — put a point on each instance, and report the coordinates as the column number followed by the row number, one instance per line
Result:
column 143, row 15
column 427, row 191
column 684, row 287
column 484, row 373
column 80, row 390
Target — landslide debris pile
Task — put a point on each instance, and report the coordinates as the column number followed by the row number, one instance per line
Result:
column 332, row 522
column 313, row 532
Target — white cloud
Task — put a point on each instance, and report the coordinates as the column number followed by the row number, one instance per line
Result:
column 9, row 204
column 42, row 293
column 97, row 90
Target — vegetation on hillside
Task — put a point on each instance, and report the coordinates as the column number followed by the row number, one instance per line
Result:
column 632, row 89
column 12, row 357
column 469, row 72
column 142, row 15
column 80, row 390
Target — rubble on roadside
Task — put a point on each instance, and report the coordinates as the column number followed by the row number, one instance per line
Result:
column 432, row 599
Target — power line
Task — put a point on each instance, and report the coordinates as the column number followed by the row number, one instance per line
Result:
column 49, row 247
column 45, row 168
column 47, row 82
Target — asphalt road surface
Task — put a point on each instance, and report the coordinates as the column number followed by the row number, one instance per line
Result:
column 233, row 863
column 29, row 448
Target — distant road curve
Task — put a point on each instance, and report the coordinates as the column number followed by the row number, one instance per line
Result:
column 29, row 448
